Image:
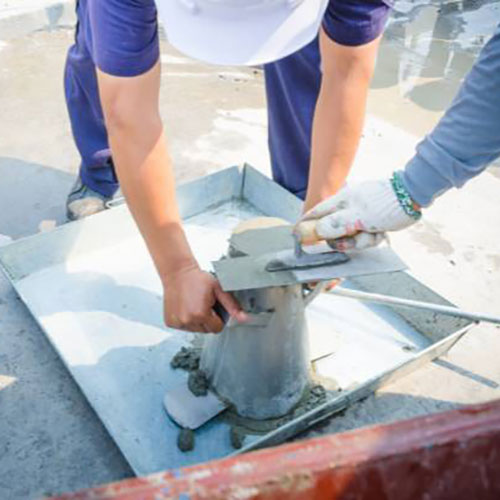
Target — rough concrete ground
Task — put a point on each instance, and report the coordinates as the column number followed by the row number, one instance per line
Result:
column 10, row 8
column 50, row 440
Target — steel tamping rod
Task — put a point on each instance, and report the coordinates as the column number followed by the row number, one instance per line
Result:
column 426, row 306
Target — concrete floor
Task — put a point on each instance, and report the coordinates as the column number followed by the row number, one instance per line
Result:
column 50, row 439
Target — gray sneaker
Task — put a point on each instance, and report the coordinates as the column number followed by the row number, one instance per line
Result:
column 83, row 201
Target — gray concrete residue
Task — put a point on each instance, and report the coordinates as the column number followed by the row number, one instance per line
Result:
column 188, row 358
column 236, row 437
column 186, row 440
column 313, row 396
column 198, row 383
column 261, row 241
column 429, row 235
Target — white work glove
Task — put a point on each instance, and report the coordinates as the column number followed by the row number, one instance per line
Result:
column 357, row 217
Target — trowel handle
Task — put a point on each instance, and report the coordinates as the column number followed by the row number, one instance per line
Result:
column 221, row 312
column 307, row 232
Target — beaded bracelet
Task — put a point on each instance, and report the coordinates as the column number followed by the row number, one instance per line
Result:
column 407, row 204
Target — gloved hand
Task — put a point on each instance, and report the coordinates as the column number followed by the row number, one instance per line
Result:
column 358, row 216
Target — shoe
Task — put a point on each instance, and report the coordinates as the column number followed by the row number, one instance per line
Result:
column 83, row 201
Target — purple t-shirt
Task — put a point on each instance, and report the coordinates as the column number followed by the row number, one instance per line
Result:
column 122, row 35
column 355, row 22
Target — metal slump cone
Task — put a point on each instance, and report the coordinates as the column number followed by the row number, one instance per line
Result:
column 262, row 370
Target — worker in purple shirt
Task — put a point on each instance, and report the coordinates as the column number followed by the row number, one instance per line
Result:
column 318, row 58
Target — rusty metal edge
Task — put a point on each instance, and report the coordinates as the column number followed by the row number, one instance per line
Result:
column 449, row 455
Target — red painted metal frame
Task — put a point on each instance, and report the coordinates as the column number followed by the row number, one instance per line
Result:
column 452, row 455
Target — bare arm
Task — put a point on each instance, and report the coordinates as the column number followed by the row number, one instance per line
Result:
column 143, row 166
column 339, row 115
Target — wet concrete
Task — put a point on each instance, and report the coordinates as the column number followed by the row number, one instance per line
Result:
column 188, row 358
column 198, row 383
column 312, row 396
column 186, row 440
column 236, row 437
column 50, row 439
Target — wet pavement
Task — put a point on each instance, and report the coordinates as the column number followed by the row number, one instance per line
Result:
column 50, row 439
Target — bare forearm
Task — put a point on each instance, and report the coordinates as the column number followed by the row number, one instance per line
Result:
column 139, row 148
column 145, row 173
column 144, row 168
column 336, row 131
column 339, row 116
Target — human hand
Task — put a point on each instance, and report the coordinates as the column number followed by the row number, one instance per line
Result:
column 358, row 216
column 189, row 297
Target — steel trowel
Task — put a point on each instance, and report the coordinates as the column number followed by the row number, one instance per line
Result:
column 288, row 262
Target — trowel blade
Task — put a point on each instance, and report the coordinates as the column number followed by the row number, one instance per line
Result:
column 244, row 273
column 289, row 260
column 190, row 411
